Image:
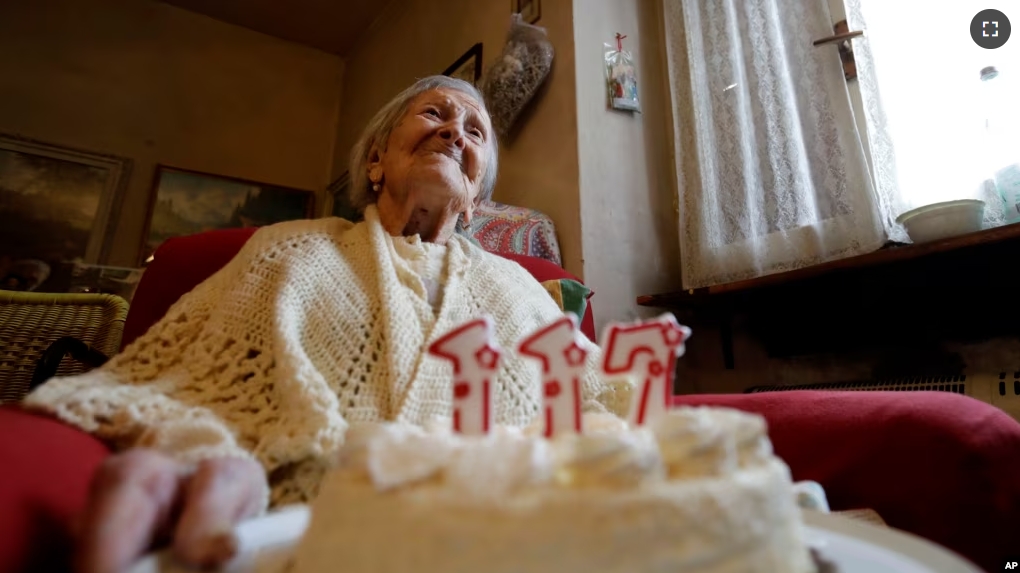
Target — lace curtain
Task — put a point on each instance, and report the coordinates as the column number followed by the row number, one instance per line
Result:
column 770, row 177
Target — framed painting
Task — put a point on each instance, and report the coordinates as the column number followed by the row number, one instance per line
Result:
column 340, row 205
column 187, row 202
column 57, row 206
column 467, row 67
column 530, row 10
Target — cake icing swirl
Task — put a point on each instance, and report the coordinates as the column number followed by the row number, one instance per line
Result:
column 711, row 441
column 686, row 443
column 694, row 443
column 609, row 459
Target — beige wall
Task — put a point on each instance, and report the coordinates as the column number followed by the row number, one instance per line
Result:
column 628, row 218
column 422, row 37
column 160, row 85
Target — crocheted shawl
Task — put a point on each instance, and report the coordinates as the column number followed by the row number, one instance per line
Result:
column 312, row 325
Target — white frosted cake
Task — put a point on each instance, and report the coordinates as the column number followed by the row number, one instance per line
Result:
column 697, row 490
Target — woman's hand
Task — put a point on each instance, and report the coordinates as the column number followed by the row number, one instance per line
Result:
column 141, row 496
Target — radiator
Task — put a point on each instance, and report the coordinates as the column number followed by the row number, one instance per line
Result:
column 1000, row 389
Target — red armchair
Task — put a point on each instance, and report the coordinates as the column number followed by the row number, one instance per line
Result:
column 942, row 466
column 181, row 263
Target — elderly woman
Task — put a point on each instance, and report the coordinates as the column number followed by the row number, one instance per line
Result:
column 239, row 397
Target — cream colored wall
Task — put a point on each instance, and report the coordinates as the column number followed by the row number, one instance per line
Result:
column 160, row 85
column 422, row 37
column 628, row 219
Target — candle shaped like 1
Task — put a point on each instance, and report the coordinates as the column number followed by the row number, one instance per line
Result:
column 645, row 351
column 472, row 349
column 558, row 346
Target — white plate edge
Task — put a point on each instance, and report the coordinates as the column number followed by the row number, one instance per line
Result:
column 907, row 544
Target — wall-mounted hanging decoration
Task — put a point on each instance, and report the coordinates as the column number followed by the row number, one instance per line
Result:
column 514, row 79
column 621, row 79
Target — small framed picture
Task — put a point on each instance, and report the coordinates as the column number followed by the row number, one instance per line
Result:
column 467, row 67
column 530, row 10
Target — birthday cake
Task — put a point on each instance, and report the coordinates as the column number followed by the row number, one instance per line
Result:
column 673, row 490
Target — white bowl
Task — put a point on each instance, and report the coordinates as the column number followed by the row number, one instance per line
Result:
column 943, row 220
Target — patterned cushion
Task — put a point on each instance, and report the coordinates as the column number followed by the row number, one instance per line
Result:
column 570, row 295
column 500, row 228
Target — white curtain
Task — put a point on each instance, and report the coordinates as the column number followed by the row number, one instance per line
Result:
column 771, row 174
column 885, row 175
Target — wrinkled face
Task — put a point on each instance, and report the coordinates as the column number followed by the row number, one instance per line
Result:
column 436, row 156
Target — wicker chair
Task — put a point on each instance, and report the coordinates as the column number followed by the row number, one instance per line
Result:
column 38, row 329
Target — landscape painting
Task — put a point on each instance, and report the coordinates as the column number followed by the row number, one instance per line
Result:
column 186, row 202
column 54, row 207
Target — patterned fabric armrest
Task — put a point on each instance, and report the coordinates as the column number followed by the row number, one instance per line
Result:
column 506, row 229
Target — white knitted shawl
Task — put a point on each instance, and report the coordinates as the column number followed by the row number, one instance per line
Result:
column 312, row 325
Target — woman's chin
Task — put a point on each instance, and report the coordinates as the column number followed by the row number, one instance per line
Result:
column 439, row 190
column 439, row 175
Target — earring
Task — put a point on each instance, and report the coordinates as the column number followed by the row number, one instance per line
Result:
column 375, row 187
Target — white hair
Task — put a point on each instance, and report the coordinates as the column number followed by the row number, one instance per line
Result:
column 378, row 130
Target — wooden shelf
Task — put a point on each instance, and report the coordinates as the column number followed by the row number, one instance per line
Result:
column 885, row 256
column 897, row 299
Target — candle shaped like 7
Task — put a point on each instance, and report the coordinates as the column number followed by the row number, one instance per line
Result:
column 472, row 350
column 559, row 348
column 646, row 352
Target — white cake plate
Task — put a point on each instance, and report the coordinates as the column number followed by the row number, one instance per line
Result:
column 267, row 542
